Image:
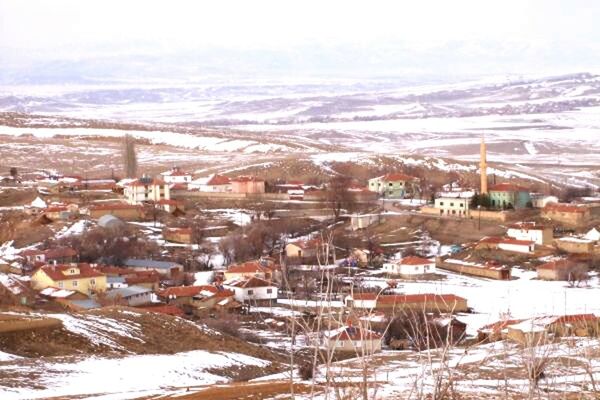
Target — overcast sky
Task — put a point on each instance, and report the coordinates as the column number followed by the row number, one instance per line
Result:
column 77, row 29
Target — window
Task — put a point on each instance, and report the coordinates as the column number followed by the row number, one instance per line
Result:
column 269, row 290
column 390, row 184
column 250, row 292
column 416, row 268
column 72, row 271
column 92, row 281
column 441, row 203
column 60, row 284
column 340, row 344
column 74, row 283
column 451, row 204
column 453, row 212
column 461, row 205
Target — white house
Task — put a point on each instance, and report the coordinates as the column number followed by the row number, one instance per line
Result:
column 176, row 175
column 354, row 340
column 213, row 183
column 539, row 200
column 530, row 231
column 253, row 290
column 455, row 204
column 146, row 189
column 410, row 266
column 361, row 300
column 508, row 244
column 358, row 221
column 132, row 295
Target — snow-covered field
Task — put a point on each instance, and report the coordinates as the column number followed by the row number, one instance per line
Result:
column 121, row 378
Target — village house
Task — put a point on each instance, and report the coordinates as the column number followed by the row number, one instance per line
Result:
column 61, row 212
column 393, row 186
column 445, row 303
column 118, row 277
column 536, row 331
column 83, row 278
column 506, row 244
column 171, row 206
column 358, row 221
column 489, row 270
column 530, row 231
column 176, row 175
column 365, row 257
column 132, row 296
column 178, row 235
column 560, row 270
column 213, row 184
column 508, row 195
column 354, row 340
column 126, row 212
column 15, row 292
column 254, row 291
column 455, row 204
column 146, row 189
column 568, row 214
column 410, row 266
column 247, row 185
column 574, row 245
column 163, row 268
column 307, row 250
column 539, row 200
column 196, row 299
column 57, row 255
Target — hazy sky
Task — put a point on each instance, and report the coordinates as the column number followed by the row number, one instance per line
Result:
column 78, row 29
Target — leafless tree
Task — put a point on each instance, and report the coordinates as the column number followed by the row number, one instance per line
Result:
column 338, row 195
column 129, row 157
column 577, row 275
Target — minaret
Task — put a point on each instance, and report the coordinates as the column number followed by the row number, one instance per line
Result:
column 483, row 167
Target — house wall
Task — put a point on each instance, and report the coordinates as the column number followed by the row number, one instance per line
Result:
column 455, row 207
column 40, row 280
column 177, row 178
column 364, row 304
column 293, row 251
column 472, row 270
column 390, row 189
column 517, row 248
column 575, row 247
column 242, row 275
column 409, row 270
column 248, row 187
column 568, row 218
column 548, row 274
column 364, row 221
column 358, row 347
column 250, row 295
column 539, row 236
column 139, row 299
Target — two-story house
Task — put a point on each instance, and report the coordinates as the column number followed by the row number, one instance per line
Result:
column 83, row 278
column 146, row 189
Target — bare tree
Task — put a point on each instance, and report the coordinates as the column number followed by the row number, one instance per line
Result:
column 338, row 195
column 129, row 157
column 577, row 275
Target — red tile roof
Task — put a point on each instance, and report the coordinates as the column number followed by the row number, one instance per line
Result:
column 412, row 260
column 216, row 180
column 575, row 318
column 397, row 176
column 566, row 208
column 164, row 309
column 247, row 268
column 507, row 187
column 57, row 272
column 190, row 291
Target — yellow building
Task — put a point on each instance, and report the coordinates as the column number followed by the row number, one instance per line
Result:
column 82, row 278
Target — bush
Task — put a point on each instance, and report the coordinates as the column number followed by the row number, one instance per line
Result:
column 306, row 371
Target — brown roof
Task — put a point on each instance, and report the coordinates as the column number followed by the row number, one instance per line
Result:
column 253, row 282
column 247, row 268
column 407, row 298
column 566, row 208
column 190, row 291
column 154, row 181
column 244, row 178
column 498, row 240
column 412, row 260
column 57, row 272
column 356, row 334
column 57, row 252
column 164, row 309
column 507, row 187
column 115, row 206
column 397, row 176
column 558, row 264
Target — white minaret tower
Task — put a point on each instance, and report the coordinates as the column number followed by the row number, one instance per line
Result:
column 483, row 166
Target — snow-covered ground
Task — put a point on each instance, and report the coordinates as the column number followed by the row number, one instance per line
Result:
column 122, row 378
